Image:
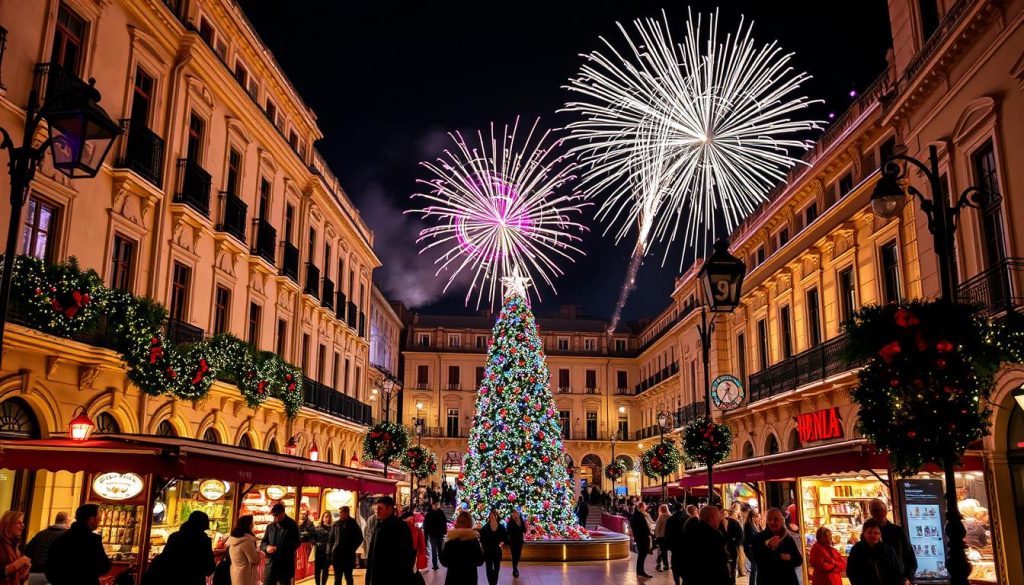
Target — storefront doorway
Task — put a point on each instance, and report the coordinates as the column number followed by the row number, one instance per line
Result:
column 591, row 470
column 17, row 421
column 1015, row 452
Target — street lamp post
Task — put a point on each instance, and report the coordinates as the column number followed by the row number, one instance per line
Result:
column 664, row 418
column 614, row 439
column 386, row 385
column 80, row 135
column 942, row 217
column 418, row 429
column 292, row 446
column 722, row 280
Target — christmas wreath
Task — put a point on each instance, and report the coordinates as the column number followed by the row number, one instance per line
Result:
column 615, row 470
column 928, row 374
column 661, row 460
column 385, row 441
column 192, row 371
column 705, row 441
column 61, row 299
column 420, row 462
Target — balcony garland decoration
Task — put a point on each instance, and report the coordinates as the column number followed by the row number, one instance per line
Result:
column 385, row 442
column 705, row 441
column 419, row 461
column 61, row 299
column 615, row 470
column 924, row 392
column 660, row 460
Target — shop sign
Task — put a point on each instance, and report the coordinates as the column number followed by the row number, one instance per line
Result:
column 924, row 511
column 276, row 492
column 727, row 392
column 117, row 486
column 820, row 425
column 213, row 489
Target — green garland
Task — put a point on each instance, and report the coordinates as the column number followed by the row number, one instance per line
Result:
column 419, row 461
column 661, row 460
column 615, row 470
column 64, row 300
column 705, row 441
column 923, row 394
column 384, row 442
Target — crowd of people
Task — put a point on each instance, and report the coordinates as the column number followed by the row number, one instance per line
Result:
column 712, row 546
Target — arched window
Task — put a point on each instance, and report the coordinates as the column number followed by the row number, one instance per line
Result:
column 330, row 454
column 771, row 445
column 748, row 450
column 245, row 442
column 166, row 429
column 272, row 446
column 794, row 440
column 17, row 420
column 210, row 435
column 107, row 424
column 627, row 461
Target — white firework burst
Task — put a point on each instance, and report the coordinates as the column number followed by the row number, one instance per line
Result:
column 502, row 207
column 675, row 135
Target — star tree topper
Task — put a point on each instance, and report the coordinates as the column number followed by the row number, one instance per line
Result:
column 515, row 284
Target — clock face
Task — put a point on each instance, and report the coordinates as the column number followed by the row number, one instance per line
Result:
column 727, row 392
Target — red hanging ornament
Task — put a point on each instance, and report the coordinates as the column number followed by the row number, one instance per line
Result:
column 889, row 351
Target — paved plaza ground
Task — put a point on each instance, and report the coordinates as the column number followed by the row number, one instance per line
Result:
column 598, row 573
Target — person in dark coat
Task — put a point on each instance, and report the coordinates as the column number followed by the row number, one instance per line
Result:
column 640, row 526
column 872, row 561
column 751, row 526
column 280, row 541
column 894, row 536
column 706, row 560
column 435, row 526
column 776, row 553
column 674, row 537
column 516, row 529
column 462, row 553
column 582, row 511
column 77, row 556
column 188, row 556
column 391, row 555
column 732, row 530
column 493, row 537
column 342, row 543
column 320, row 536
column 38, row 548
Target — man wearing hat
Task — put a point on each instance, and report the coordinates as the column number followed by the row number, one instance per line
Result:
column 280, row 542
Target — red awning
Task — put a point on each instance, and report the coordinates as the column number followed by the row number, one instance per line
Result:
column 95, row 456
column 670, row 490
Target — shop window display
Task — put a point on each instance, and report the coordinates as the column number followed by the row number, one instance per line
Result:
column 182, row 497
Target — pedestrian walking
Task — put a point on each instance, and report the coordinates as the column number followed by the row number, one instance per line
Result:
column 660, row 540
column 463, row 552
column 516, row 529
column 675, row 539
column 732, row 530
column 243, row 553
column 319, row 536
column 390, row 555
column 493, row 537
column 280, row 541
column 419, row 541
column 77, row 556
column 874, row 562
column 582, row 511
column 38, row 548
column 739, row 513
column 16, row 566
column 435, row 526
column 188, row 555
column 776, row 552
column 894, row 536
column 342, row 543
column 707, row 561
column 827, row 565
column 640, row 525
column 752, row 525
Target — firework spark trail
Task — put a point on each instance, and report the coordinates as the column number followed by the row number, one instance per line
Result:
column 675, row 135
column 502, row 207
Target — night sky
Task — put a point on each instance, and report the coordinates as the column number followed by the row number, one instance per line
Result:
column 387, row 80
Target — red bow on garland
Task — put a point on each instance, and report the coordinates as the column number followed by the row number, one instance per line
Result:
column 201, row 373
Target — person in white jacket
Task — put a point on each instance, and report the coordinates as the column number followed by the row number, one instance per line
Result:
column 244, row 554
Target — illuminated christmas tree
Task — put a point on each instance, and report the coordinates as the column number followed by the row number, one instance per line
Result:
column 516, row 459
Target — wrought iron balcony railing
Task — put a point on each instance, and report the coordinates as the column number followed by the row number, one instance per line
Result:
column 658, row 377
column 264, row 240
column 816, row 364
column 290, row 263
column 182, row 332
column 997, row 289
column 143, row 152
column 57, row 87
column 232, row 216
column 312, row 280
column 193, row 186
column 326, row 399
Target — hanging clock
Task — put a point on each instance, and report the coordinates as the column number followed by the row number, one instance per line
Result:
column 727, row 392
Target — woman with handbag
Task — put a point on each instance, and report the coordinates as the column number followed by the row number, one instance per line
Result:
column 243, row 554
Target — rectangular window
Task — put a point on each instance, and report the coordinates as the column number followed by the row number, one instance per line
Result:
column 264, row 206
column 620, row 345
column 312, row 245
column 327, row 260
column 563, row 344
column 345, row 381
column 563, row 418
column 422, row 375
column 122, row 263
column 305, row 353
column 782, row 238
column 813, row 317
column 481, row 342
column 358, row 383
column 255, row 318
column 282, row 337
column 845, row 184
column 68, row 40
column 623, row 427
column 589, row 344
column 591, row 380
column 929, row 18
column 293, row 140
column 196, row 134
column 234, row 171
column 759, row 254
column 181, row 286
column 221, row 309
column 810, row 213
column 289, row 222
column 39, row 235
column 890, row 273
column 336, row 370
column 271, row 112
column 454, row 341
column 142, row 98
column 206, row 31
column 847, row 294
column 986, row 176
column 591, row 425
column 786, row 324
column 453, row 377
column 563, row 380
column 762, row 343
column 241, row 74
column 425, row 340
column 453, row 422
column 621, row 380
column 741, row 356
column 321, row 362
column 479, row 378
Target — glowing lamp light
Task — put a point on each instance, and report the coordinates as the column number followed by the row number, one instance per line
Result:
column 887, row 198
column 314, row 452
column 81, row 427
column 354, row 462
column 292, row 446
column 722, row 278
column 81, row 132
